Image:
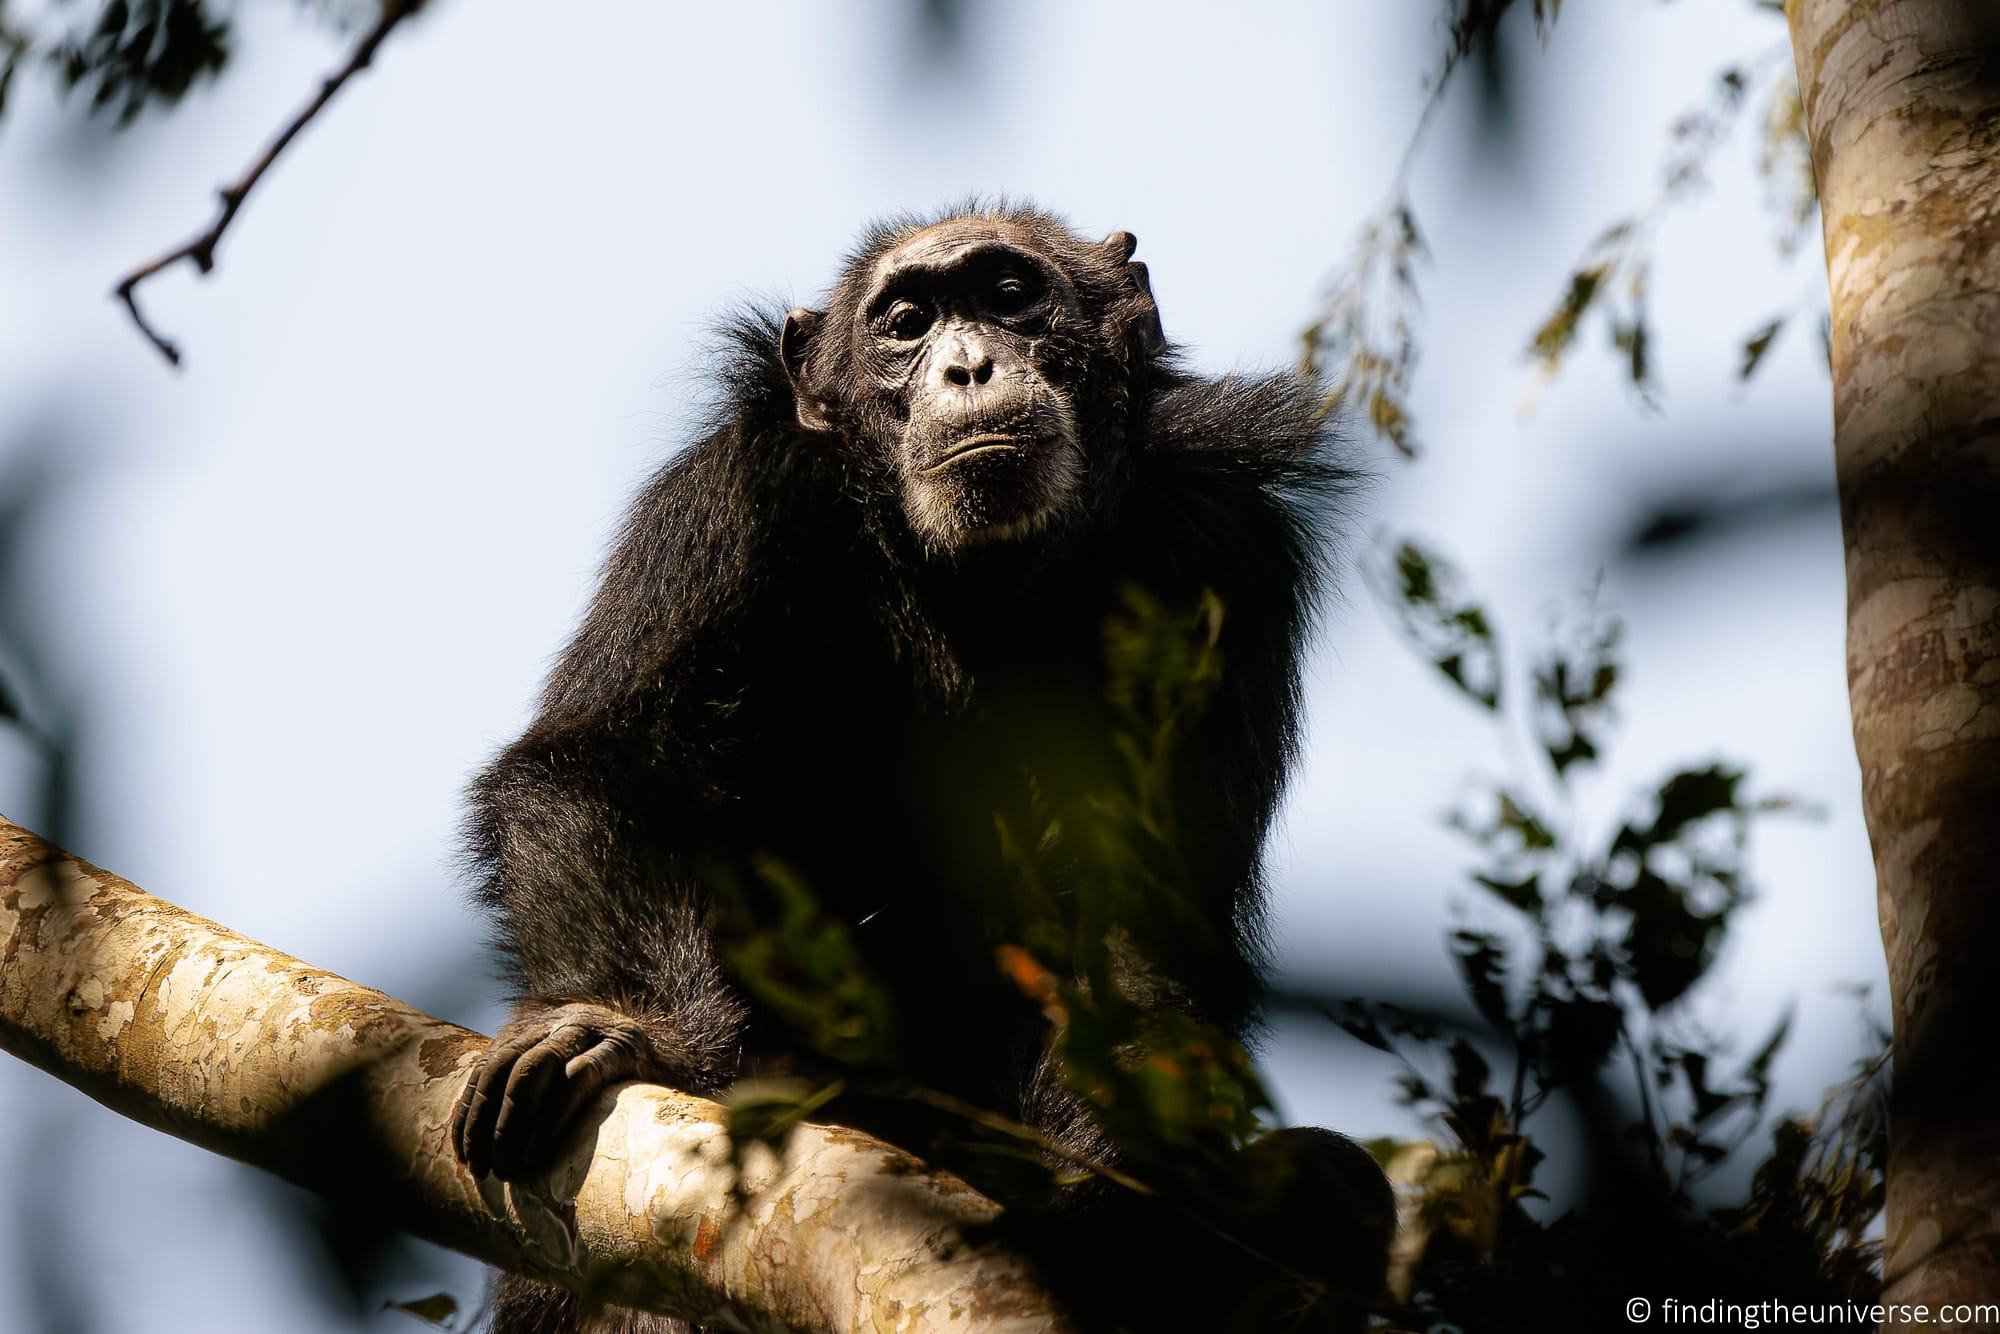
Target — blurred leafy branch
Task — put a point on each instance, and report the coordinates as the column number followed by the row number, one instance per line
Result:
column 1582, row 986
column 1581, row 970
column 135, row 54
column 1614, row 273
column 1366, row 334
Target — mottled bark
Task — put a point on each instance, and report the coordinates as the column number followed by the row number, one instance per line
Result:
column 1902, row 101
column 229, row 1044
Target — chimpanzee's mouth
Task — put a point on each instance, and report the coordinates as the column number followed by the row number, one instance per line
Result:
column 980, row 446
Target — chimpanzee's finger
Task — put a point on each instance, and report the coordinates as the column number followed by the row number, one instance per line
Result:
column 479, row 1104
column 528, row 1088
column 585, row 1077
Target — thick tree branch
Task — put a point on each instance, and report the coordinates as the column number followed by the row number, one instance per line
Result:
column 200, row 249
column 1902, row 101
column 191, row 1029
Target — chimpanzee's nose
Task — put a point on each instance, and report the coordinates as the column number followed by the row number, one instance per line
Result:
column 965, row 362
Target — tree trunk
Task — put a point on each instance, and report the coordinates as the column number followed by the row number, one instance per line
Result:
column 232, row 1045
column 1902, row 101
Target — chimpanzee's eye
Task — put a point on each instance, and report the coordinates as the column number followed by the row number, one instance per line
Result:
column 905, row 320
column 1012, row 290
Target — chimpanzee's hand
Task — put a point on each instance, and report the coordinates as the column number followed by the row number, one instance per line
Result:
column 542, row 1070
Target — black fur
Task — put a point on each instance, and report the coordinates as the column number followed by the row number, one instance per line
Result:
column 774, row 663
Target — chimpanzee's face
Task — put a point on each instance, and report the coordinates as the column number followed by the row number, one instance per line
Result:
column 953, row 332
column 959, row 352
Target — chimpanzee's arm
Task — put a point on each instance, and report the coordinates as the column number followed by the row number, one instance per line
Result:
column 1239, row 493
column 585, row 834
column 614, row 971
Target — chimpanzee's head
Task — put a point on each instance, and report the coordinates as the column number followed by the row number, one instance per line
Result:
column 987, row 357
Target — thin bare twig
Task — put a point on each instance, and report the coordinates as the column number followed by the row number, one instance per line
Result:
column 200, row 250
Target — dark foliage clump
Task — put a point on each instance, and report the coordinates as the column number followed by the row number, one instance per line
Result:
column 1580, row 992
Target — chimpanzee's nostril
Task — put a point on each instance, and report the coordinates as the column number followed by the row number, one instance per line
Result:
column 983, row 371
column 959, row 376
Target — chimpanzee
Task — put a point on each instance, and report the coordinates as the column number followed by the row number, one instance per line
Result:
column 853, row 626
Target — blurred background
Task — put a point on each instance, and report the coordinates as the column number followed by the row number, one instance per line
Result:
column 266, row 614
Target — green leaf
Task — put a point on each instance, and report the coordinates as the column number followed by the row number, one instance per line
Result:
column 143, row 53
column 766, row 1111
column 1582, row 1032
column 1694, row 794
column 440, row 1309
column 1530, row 828
column 1573, row 680
column 1558, row 331
column 1616, row 234
column 1524, row 895
column 8, row 65
column 1390, row 419
column 1453, row 633
column 1482, row 963
column 1669, row 943
column 1632, row 338
column 802, row 963
column 1758, row 344
column 1354, row 1016
column 1469, row 1071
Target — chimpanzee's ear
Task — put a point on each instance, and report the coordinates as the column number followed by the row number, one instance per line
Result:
column 1144, row 319
column 800, row 327
column 1119, row 246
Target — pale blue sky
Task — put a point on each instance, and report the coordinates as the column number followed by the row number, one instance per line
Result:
column 306, row 586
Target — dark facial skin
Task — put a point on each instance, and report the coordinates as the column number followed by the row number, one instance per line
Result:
column 954, row 337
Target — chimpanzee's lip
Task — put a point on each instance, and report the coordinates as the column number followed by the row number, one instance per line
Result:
column 984, row 443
